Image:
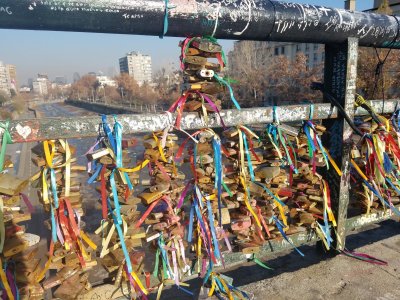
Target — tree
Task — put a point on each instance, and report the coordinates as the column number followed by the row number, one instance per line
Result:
column 127, row 87
column 85, row 88
column 3, row 98
column 111, row 94
column 262, row 76
column 167, row 86
column 248, row 65
column 289, row 81
column 375, row 78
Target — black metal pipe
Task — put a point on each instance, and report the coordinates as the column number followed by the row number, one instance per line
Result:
column 227, row 19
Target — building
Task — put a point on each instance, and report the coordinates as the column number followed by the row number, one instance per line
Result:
column 261, row 52
column 138, row 66
column 105, row 81
column 60, row 80
column 41, row 84
column 12, row 77
column 4, row 79
column 25, row 89
column 314, row 52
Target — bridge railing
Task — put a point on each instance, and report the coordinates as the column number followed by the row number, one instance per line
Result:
column 341, row 31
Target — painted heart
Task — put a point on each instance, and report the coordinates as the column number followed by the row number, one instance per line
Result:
column 23, row 131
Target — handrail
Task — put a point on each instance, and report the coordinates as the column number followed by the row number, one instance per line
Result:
column 240, row 20
column 80, row 127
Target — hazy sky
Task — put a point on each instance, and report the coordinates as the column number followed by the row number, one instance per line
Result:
column 63, row 53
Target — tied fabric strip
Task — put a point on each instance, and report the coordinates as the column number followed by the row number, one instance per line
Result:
column 165, row 24
column 6, row 139
column 225, row 83
column 364, row 257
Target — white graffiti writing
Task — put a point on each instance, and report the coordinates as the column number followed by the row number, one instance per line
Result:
column 6, row 10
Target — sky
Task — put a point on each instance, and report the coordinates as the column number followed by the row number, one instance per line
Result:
column 63, row 53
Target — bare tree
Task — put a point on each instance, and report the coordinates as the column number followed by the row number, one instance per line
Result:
column 248, row 65
column 379, row 69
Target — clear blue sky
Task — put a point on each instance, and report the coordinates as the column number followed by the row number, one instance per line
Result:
column 63, row 53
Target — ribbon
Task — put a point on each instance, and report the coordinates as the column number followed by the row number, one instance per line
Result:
column 280, row 228
column 165, row 25
column 5, row 283
column 6, row 139
column 223, row 82
column 260, row 263
column 364, row 257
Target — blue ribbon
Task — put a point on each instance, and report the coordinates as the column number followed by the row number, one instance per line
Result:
column 269, row 193
column 218, row 174
column 307, row 132
column 191, row 218
column 280, row 228
column 115, row 197
column 118, row 142
column 166, row 10
column 246, row 147
column 108, row 132
column 212, row 228
column 240, row 291
column 121, row 237
column 221, row 80
column 95, row 174
column 392, row 207
column 209, row 270
column 54, row 187
column 53, row 224
column 395, row 210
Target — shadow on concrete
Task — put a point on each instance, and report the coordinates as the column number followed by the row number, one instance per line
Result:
column 285, row 262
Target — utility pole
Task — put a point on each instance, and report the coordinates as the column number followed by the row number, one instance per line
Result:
column 350, row 4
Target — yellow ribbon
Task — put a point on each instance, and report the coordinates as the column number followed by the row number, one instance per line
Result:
column 137, row 168
column 42, row 274
column 49, row 153
column 88, row 240
column 246, row 201
column 322, row 236
column 67, row 166
column 160, row 149
column 139, row 283
column 282, row 213
column 160, row 288
column 5, row 282
column 358, row 170
column 333, row 163
column 241, row 147
column 227, row 290
column 213, row 285
column 331, row 217
column 45, row 188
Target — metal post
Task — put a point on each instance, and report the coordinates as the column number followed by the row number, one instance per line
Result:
column 340, row 81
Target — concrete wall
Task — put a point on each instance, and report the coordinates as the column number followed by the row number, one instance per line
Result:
column 101, row 108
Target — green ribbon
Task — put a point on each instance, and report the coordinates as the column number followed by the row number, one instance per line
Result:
column 155, row 271
column 2, row 228
column 6, row 140
column 260, row 263
column 227, row 189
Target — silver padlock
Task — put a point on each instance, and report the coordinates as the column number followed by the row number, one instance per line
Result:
column 204, row 73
